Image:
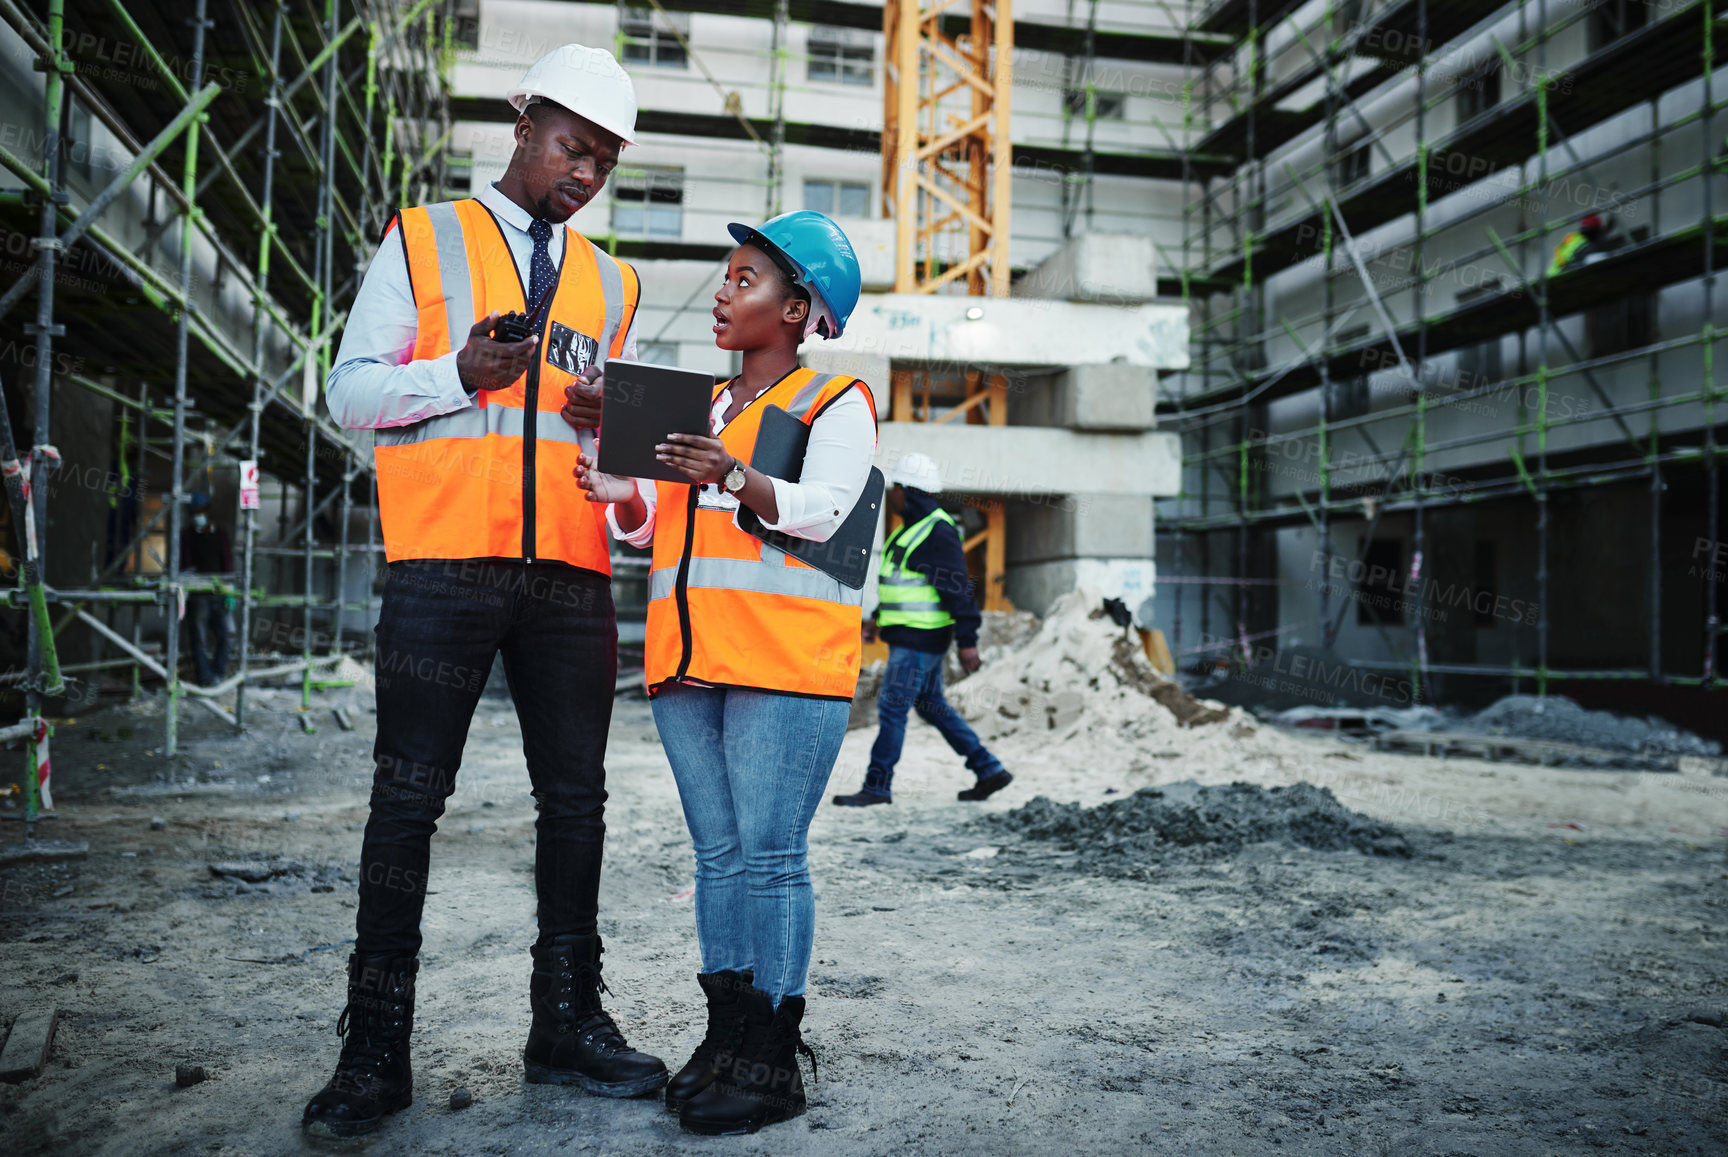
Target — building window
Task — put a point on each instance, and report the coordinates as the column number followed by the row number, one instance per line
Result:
column 1347, row 397
column 1479, row 365
column 1487, row 584
column 648, row 202
column 1479, row 92
column 842, row 55
column 1106, row 106
column 1380, row 593
column 1612, row 19
column 1351, row 165
column 838, row 198
column 465, row 24
column 649, row 40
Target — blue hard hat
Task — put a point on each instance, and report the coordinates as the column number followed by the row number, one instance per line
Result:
column 814, row 252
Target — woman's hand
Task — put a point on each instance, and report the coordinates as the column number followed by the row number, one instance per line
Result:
column 697, row 457
column 602, row 487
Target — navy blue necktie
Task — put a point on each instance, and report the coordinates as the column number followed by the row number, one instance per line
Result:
column 540, row 271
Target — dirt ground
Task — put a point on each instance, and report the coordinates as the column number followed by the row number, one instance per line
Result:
column 1544, row 976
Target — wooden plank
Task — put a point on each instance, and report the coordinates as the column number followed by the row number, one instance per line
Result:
column 28, row 1043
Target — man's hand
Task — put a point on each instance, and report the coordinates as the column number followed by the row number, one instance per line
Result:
column 870, row 630
column 969, row 660
column 484, row 364
column 582, row 400
column 602, row 487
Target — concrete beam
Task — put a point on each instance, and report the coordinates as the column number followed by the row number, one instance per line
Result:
column 1110, row 268
column 1112, row 397
column 1035, row 461
column 1007, row 331
column 1080, row 526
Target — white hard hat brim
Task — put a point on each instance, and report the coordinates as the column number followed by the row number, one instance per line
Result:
column 518, row 98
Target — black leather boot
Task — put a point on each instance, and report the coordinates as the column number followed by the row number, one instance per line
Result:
column 573, row 1040
column 373, row 1077
column 724, row 990
column 758, row 1084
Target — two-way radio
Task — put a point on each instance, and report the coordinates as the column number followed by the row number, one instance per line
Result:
column 514, row 327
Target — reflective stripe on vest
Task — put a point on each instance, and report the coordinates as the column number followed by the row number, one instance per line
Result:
column 487, row 481
column 726, row 609
column 908, row 598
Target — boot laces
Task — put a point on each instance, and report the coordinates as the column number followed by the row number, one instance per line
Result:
column 723, row 1036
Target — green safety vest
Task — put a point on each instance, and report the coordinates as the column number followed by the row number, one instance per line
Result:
column 908, row 598
column 1567, row 250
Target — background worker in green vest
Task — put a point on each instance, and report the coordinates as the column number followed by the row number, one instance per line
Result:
column 1594, row 240
column 924, row 603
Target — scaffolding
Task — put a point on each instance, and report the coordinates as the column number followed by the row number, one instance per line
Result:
column 268, row 217
column 1333, row 127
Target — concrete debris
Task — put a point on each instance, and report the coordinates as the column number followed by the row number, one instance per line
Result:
column 1558, row 718
column 274, row 876
column 1184, row 822
column 1360, row 721
column 27, row 1044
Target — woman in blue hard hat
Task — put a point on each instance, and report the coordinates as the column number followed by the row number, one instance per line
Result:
column 752, row 656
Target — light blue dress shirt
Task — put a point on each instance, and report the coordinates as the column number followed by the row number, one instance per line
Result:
column 374, row 384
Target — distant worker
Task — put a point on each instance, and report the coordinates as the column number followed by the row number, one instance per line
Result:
column 1593, row 241
column 204, row 551
column 491, row 552
column 924, row 603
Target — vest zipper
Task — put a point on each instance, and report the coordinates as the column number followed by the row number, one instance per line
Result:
column 530, row 423
column 681, row 589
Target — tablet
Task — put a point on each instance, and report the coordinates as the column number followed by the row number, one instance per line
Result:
column 641, row 405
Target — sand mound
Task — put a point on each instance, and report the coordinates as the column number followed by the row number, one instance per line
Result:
column 1186, row 821
column 1079, row 667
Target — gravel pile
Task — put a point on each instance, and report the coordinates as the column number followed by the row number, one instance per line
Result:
column 1558, row 718
column 1186, row 821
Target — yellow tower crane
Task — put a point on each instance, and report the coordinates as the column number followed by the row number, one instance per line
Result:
column 946, row 171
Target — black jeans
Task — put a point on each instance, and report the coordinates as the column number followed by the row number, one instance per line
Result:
column 207, row 620
column 441, row 624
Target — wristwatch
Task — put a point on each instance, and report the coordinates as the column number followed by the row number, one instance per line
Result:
column 734, row 479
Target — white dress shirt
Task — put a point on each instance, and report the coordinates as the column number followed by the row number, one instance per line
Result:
column 836, row 464
column 374, row 384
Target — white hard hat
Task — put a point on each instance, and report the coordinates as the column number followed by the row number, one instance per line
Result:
column 587, row 81
column 917, row 471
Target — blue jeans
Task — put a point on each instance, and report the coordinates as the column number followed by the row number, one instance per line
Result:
column 913, row 681
column 751, row 767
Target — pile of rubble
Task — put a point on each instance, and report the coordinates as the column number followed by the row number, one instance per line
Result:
column 1555, row 717
column 1186, row 821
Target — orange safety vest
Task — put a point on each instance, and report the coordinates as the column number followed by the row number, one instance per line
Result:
column 727, row 609
column 494, row 481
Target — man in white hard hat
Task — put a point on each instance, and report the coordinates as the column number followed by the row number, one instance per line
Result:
column 924, row 603
column 472, row 350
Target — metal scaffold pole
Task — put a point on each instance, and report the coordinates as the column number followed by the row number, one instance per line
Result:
column 182, row 341
column 255, row 410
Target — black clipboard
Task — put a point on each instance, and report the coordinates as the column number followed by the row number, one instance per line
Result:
column 641, row 404
column 779, row 453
